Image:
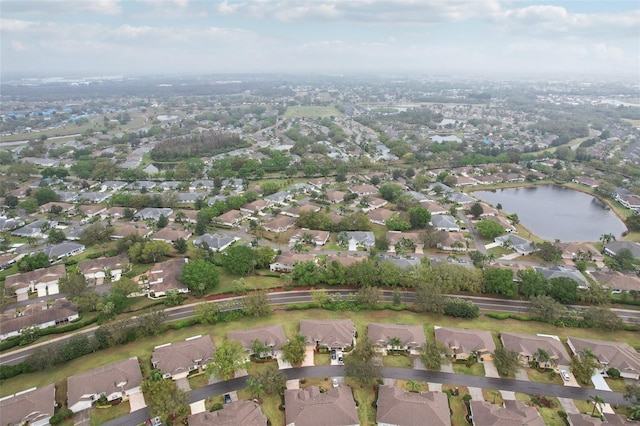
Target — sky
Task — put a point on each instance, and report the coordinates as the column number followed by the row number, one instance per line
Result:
column 480, row 37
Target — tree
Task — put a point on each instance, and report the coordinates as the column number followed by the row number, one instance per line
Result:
column 45, row 195
column 549, row 252
column 181, row 245
column 532, row 283
column 56, row 236
column 461, row 308
column 499, row 281
column 564, row 290
column 489, row 229
column 148, row 251
column 271, row 379
column 294, row 351
column 360, row 364
column 634, row 412
column 151, row 323
column 476, row 210
column 264, row 256
column 602, row 317
column 477, row 258
column 598, row 401
column 200, row 277
column 228, row 359
column 239, row 259
column 125, row 286
column 507, row 362
column 255, row 387
column 419, row 217
column 164, row 398
column 260, row 349
column 433, row 355
column 207, row 313
column 546, row 308
column 33, row 261
column 583, row 365
column 542, row 357
column 96, row 233
column 162, row 222
column 607, row 238
column 368, row 296
column 429, row 298
column 74, row 284
column 256, row 304
column 632, row 394
column 390, row 191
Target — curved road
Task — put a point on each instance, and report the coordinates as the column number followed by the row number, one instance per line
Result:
column 13, row 357
column 527, row 387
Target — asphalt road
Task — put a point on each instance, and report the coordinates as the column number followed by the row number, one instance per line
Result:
column 16, row 356
column 527, row 387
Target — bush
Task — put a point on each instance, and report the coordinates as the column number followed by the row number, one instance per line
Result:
column 61, row 416
column 217, row 406
column 499, row 316
column 94, row 255
column 460, row 308
column 614, row 373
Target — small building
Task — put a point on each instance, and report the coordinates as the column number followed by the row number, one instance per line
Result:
column 39, row 314
column 527, row 346
column 513, row 413
column 463, row 343
column 618, row 355
column 96, row 270
column 286, row 261
column 270, row 336
column 332, row 334
column 177, row 360
column 118, row 380
column 34, row 407
column 214, row 242
column 397, row 407
column 44, row 281
column 309, row 406
column 397, row 337
column 245, row 413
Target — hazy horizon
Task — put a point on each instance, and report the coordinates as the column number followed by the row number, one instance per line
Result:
column 182, row 37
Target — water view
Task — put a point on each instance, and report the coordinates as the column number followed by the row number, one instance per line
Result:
column 554, row 212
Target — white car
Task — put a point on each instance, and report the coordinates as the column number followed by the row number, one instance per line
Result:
column 335, row 383
column 565, row 375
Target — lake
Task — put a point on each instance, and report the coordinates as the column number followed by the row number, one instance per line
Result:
column 554, row 212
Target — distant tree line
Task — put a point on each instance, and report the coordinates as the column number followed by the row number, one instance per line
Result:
column 200, row 145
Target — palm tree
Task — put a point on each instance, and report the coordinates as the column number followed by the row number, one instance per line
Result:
column 395, row 343
column 542, row 356
column 597, row 402
column 634, row 412
column 414, row 386
column 607, row 238
column 255, row 387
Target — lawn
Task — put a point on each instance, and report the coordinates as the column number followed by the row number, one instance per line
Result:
column 493, row 396
column 103, row 415
column 536, row 375
column 585, row 407
column 549, row 415
column 477, row 369
column 198, row 380
column 458, row 407
column 312, row 111
column 290, row 320
column 322, row 359
column 365, row 397
column 400, row 361
column 616, row 385
column 407, row 385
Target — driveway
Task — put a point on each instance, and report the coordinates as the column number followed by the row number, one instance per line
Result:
column 417, row 363
column 598, row 381
column 521, row 374
column 198, row 407
column 183, row 384
column 476, row 393
column 490, row 369
column 282, row 363
column 308, row 359
column 446, row 368
column 136, row 401
column 569, row 406
column 82, row 418
column 293, row 384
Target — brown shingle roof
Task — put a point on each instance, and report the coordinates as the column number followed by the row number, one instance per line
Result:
column 410, row 335
column 32, row 406
column 310, row 407
column 463, row 341
column 527, row 344
column 38, row 314
column 330, row 333
column 514, row 413
column 614, row 354
column 270, row 335
column 245, row 413
column 49, row 274
column 176, row 358
column 399, row 407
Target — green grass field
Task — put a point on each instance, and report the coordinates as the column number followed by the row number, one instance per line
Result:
column 476, row 369
column 312, row 112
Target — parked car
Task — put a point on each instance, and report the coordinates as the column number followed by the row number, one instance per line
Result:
column 565, row 375
column 333, row 354
column 227, row 398
column 335, row 383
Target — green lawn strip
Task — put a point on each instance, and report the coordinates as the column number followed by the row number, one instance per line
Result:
column 103, row 415
column 365, row 397
column 546, row 376
column 290, row 320
column 458, row 408
column 477, row 369
column 616, row 385
column 406, row 385
column 399, row 361
column 198, row 380
column 322, row 359
column 549, row 415
column 585, row 407
column 258, row 367
column 271, row 408
column 493, row 396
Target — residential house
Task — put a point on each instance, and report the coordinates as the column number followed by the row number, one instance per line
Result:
column 67, row 197
column 153, row 213
column 270, row 336
column 39, row 314
column 59, row 252
column 112, row 185
column 517, row 243
column 66, row 207
column 344, row 260
column 142, row 185
column 587, row 181
column 37, row 229
column 435, row 208
column 335, row 197
column 319, row 183
column 332, row 334
column 397, row 407
column 120, row 232
column 629, row 201
column 439, row 187
column 513, row 413
column 418, row 196
column 191, row 197
column 506, row 225
column 214, row 242
column 97, row 270
column 117, row 212
column 201, row 184
column 464, row 343
column 170, row 235
column 459, row 198
column 8, row 224
column 575, row 251
column 362, row 190
column 279, row 198
column 487, row 210
column 396, row 337
column 402, row 262
column 319, row 238
column 397, row 239
column 33, row 407
column 614, row 247
column 444, row 222
column 607, row 419
column 559, row 271
column 254, row 207
column 299, row 210
column 94, row 197
column 372, row 204
column 357, row 239
column 452, row 241
column 232, row 218
column 379, row 216
column 309, row 406
column 44, row 281
column 177, row 360
column 118, row 380
column 527, row 345
column 462, row 181
column 90, row 211
column 245, row 413
column 286, row 261
column 610, row 354
column 617, row 282
column 170, row 185
column 164, row 276
column 279, row 224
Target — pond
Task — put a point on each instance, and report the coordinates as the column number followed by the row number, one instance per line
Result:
column 554, row 212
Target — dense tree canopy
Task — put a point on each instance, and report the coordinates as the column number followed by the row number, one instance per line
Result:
column 200, row 277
